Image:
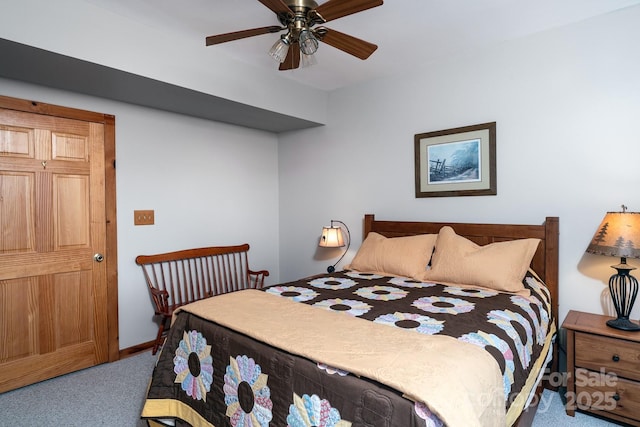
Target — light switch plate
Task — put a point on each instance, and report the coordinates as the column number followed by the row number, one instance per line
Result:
column 143, row 217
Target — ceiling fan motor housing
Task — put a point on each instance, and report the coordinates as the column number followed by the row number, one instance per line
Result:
column 307, row 4
column 298, row 24
column 300, row 18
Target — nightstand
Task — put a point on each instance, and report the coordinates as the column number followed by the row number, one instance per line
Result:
column 603, row 368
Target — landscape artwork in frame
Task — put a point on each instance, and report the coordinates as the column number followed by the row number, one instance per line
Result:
column 456, row 162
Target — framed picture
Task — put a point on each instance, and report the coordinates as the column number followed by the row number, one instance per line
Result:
column 456, row 162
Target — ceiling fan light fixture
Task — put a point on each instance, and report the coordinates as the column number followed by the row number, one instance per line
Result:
column 308, row 42
column 307, row 60
column 280, row 49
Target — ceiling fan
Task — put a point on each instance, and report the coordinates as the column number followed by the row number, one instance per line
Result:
column 298, row 17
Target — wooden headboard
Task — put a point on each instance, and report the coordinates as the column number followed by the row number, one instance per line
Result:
column 544, row 263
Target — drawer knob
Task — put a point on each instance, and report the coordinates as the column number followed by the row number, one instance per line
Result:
column 616, row 397
column 615, row 358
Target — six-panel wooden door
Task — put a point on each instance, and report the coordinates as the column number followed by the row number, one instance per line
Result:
column 53, row 293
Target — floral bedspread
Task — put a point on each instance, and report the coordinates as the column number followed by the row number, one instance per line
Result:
column 242, row 382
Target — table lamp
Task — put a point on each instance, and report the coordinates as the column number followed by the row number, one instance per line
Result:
column 332, row 238
column 619, row 236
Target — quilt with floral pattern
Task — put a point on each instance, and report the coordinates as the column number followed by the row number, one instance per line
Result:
column 208, row 374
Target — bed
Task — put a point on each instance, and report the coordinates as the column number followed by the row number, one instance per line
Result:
column 371, row 347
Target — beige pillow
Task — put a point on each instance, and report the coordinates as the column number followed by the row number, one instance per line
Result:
column 500, row 266
column 397, row 256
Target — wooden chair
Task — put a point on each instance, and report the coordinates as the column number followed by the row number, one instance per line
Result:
column 182, row 277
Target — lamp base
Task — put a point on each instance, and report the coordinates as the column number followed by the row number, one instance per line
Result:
column 624, row 289
column 623, row 324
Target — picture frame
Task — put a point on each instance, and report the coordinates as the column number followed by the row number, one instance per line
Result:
column 456, row 162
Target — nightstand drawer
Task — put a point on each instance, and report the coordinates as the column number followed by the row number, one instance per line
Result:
column 613, row 355
column 620, row 397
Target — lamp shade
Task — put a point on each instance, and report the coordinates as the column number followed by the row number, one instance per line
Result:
column 280, row 49
column 308, row 42
column 331, row 237
column 618, row 235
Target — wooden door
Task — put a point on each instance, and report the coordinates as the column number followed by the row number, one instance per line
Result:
column 54, row 303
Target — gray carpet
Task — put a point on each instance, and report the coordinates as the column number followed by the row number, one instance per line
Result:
column 112, row 395
column 106, row 395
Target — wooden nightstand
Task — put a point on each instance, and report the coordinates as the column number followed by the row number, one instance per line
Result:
column 603, row 368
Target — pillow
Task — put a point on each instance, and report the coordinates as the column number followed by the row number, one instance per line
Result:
column 397, row 256
column 500, row 266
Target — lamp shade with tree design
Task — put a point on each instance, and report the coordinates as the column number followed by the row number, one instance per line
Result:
column 619, row 235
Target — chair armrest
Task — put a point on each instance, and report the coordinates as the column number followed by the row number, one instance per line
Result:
column 257, row 277
column 161, row 301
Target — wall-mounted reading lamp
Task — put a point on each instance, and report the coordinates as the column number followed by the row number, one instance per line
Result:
column 332, row 237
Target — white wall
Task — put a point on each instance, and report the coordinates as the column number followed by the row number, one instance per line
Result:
column 209, row 184
column 566, row 103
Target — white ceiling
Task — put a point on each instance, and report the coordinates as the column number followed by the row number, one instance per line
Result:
column 410, row 34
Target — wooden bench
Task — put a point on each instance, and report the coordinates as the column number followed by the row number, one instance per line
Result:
column 182, row 277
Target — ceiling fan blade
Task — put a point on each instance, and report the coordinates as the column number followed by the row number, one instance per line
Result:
column 277, row 6
column 334, row 9
column 346, row 43
column 292, row 61
column 227, row 37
